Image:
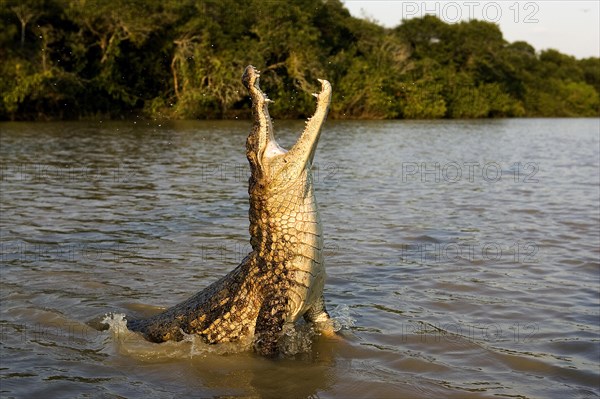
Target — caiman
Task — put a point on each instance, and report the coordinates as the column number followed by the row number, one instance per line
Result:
column 282, row 279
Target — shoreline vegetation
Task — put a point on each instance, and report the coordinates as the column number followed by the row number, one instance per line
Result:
column 183, row 59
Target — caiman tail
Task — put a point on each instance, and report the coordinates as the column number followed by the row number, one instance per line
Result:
column 282, row 278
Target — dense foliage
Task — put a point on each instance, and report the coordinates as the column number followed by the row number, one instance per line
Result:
column 65, row 59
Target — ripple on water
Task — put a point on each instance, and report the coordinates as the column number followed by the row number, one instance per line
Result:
column 475, row 287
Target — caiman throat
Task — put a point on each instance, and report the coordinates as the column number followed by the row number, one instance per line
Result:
column 282, row 279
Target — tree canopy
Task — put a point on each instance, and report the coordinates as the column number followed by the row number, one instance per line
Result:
column 70, row 59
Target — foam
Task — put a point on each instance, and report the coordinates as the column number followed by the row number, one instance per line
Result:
column 296, row 339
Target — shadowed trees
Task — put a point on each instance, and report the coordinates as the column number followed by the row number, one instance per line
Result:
column 66, row 59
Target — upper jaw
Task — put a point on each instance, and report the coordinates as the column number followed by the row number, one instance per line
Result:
column 263, row 148
column 250, row 77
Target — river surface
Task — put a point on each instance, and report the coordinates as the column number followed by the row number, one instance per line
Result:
column 462, row 259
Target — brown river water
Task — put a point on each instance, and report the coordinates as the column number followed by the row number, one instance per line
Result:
column 462, row 259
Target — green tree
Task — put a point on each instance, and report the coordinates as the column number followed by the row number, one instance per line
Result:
column 591, row 72
column 183, row 59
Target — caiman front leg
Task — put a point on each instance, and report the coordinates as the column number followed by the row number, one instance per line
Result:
column 319, row 316
column 317, row 313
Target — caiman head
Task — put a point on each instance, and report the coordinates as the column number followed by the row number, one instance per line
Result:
column 269, row 163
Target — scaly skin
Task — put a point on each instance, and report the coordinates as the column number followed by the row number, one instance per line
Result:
column 282, row 278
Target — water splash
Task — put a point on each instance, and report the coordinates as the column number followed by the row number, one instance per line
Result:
column 130, row 343
column 116, row 322
column 341, row 318
column 296, row 339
